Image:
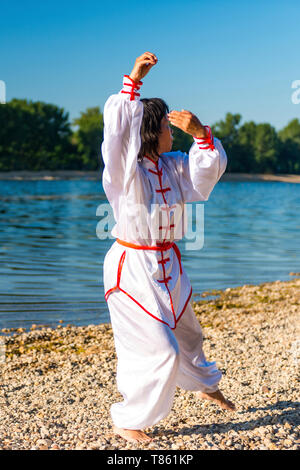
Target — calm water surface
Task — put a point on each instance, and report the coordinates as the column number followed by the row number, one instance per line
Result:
column 51, row 257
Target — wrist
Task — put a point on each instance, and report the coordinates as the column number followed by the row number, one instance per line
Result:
column 201, row 133
column 207, row 142
column 134, row 78
column 131, row 87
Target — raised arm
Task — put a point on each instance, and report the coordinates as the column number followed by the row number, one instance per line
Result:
column 201, row 169
column 123, row 114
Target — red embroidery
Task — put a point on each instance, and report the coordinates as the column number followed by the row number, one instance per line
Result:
column 165, row 281
column 172, row 306
column 163, row 190
column 165, row 227
column 120, row 267
column 151, row 160
column 153, row 316
column 155, row 172
column 109, row 292
column 177, row 251
column 159, row 246
column 140, row 305
column 205, row 142
column 187, row 300
column 163, row 261
column 132, row 94
column 133, row 85
column 136, row 83
column 130, row 84
column 163, row 247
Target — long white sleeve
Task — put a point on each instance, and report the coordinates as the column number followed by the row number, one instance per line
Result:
column 123, row 114
column 200, row 170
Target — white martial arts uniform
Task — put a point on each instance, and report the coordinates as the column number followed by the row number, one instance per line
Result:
column 157, row 337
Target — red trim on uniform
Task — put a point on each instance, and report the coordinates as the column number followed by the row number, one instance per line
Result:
column 187, row 301
column 165, row 280
column 163, row 190
column 132, row 94
column 120, row 267
column 136, row 83
column 151, row 315
column 133, row 85
column 172, row 306
column 158, row 247
column 162, row 193
column 177, row 251
column 162, row 244
column 166, row 227
column 109, row 292
column 155, row 172
column 151, row 160
column 130, row 84
column 163, row 261
column 205, row 142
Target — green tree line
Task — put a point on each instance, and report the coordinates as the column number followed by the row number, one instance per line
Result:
column 40, row 136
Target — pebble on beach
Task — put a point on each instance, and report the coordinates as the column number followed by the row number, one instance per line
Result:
column 57, row 385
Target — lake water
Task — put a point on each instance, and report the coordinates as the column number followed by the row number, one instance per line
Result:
column 51, row 257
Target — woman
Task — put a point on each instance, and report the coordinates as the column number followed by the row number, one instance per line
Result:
column 157, row 337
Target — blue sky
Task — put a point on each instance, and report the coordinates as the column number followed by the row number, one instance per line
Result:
column 214, row 56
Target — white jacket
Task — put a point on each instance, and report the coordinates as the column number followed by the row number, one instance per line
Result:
column 148, row 203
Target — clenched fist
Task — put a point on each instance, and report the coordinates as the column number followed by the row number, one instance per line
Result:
column 142, row 66
column 187, row 122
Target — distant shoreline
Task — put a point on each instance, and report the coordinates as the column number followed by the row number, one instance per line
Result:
column 96, row 175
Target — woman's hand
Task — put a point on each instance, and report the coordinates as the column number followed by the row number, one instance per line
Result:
column 187, row 122
column 142, row 66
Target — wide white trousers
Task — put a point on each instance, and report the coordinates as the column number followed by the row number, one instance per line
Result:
column 152, row 360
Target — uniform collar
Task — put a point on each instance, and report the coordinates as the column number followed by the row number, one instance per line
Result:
column 151, row 164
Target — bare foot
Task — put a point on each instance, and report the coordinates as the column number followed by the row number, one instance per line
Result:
column 218, row 398
column 132, row 435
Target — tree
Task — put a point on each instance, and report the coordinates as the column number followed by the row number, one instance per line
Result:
column 35, row 136
column 246, row 144
column 38, row 136
column 88, row 138
column 289, row 161
column 181, row 140
column 266, row 149
column 227, row 131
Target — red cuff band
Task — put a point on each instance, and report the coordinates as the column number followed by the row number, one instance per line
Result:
column 136, row 83
column 130, row 87
column 207, row 142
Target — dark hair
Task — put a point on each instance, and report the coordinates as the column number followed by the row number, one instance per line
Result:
column 154, row 111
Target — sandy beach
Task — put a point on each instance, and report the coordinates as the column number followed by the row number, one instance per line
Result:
column 57, row 385
column 96, row 175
